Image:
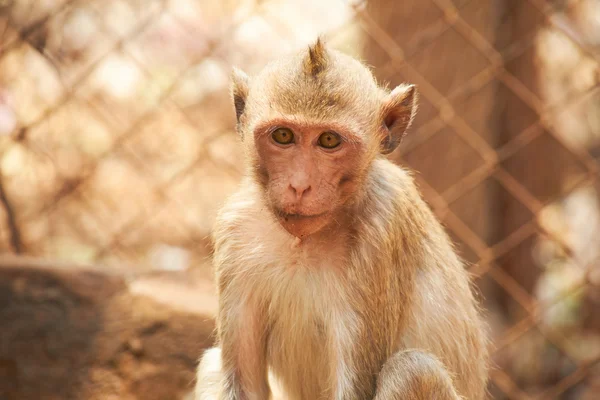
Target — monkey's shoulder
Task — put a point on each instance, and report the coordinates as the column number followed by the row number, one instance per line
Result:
column 392, row 199
column 391, row 182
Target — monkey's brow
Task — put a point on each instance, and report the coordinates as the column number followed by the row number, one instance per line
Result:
column 300, row 123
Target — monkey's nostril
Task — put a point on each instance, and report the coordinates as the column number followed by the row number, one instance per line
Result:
column 300, row 191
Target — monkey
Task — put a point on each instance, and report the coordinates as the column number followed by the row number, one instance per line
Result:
column 335, row 280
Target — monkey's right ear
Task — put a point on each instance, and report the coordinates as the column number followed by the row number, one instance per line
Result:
column 239, row 90
column 398, row 113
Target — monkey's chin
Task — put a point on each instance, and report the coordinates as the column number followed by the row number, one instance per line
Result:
column 302, row 226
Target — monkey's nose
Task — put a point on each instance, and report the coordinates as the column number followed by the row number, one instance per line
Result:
column 299, row 190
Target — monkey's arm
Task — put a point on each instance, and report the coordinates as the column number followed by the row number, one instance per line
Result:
column 242, row 337
column 414, row 375
column 237, row 368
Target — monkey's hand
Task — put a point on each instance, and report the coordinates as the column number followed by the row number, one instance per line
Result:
column 208, row 376
column 213, row 384
column 415, row 375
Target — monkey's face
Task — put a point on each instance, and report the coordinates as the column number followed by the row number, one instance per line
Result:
column 309, row 172
column 312, row 124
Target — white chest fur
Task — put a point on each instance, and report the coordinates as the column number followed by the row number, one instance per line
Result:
column 310, row 323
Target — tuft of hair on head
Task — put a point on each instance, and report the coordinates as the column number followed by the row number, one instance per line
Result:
column 316, row 58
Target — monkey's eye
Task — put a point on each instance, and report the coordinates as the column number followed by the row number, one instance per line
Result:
column 283, row 136
column 329, row 140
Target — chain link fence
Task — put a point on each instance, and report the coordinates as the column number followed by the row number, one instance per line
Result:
column 117, row 143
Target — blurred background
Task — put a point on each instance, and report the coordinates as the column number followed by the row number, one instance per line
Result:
column 117, row 146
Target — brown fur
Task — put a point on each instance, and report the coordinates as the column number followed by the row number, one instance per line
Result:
column 316, row 60
column 367, row 302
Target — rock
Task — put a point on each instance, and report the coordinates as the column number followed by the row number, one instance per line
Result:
column 83, row 333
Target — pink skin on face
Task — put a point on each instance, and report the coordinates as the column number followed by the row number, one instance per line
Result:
column 307, row 183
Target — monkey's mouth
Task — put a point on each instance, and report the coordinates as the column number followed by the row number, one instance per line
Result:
column 290, row 217
column 302, row 224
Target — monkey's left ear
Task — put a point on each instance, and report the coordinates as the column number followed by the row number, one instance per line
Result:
column 398, row 113
column 239, row 90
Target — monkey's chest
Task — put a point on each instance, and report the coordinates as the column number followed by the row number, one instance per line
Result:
column 306, row 310
column 300, row 361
